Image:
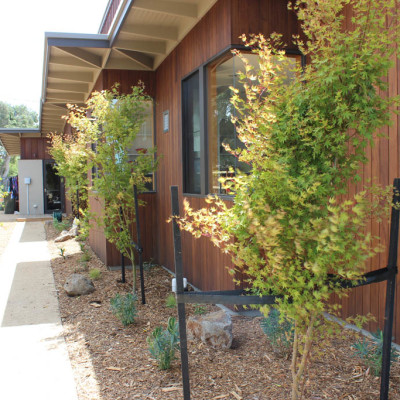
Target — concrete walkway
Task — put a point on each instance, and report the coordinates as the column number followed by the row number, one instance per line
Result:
column 34, row 362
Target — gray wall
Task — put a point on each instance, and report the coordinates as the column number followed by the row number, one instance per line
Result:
column 31, row 169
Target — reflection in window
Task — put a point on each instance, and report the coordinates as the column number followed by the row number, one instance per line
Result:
column 144, row 141
column 191, row 134
column 222, row 74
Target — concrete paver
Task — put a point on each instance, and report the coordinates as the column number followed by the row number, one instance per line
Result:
column 34, row 362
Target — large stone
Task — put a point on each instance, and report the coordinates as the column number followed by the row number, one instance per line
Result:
column 78, row 284
column 214, row 329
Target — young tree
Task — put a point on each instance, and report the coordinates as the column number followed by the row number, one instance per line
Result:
column 305, row 139
column 104, row 131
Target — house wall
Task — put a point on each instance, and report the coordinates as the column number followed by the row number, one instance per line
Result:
column 383, row 168
column 106, row 251
column 31, row 169
column 204, row 264
column 34, row 149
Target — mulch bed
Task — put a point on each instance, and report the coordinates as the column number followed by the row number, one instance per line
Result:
column 112, row 362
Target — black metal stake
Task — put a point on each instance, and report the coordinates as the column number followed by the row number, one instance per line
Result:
column 77, row 203
column 180, row 291
column 139, row 245
column 390, row 294
column 123, row 278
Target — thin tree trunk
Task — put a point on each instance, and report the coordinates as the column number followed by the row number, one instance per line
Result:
column 5, row 167
column 298, row 370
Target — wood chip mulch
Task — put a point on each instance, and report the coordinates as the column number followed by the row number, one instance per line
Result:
column 112, row 362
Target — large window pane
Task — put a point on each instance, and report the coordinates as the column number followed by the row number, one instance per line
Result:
column 144, row 141
column 191, row 134
column 221, row 75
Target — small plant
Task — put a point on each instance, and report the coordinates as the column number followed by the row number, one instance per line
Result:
column 124, row 307
column 164, row 343
column 371, row 353
column 170, row 302
column 85, row 256
column 148, row 265
column 82, row 247
column 62, row 252
column 95, row 274
column 199, row 309
column 61, row 226
column 279, row 333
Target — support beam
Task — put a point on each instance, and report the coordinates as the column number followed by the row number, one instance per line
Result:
column 68, row 87
column 176, row 8
column 142, row 46
column 140, row 58
column 91, row 59
column 151, row 31
column 72, row 76
column 69, row 62
column 65, row 96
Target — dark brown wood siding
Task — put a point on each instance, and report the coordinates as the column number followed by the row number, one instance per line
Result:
column 263, row 16
column 106, row 251
column 203, row 263
column 205, row 266
column 382, row 168
column 34, row 149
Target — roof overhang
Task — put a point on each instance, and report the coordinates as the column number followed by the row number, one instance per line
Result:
column 143, row 34
column 11, row 139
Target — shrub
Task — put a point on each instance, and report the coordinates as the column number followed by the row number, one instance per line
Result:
column 164, row 343
column 199, row 309
column 61, row 226
column 124, row 307
column 371, row 353
column 95, row 274
column 170, row 302
column 85, row 256
column 279, row 333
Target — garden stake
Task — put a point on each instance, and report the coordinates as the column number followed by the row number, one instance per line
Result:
column 179, row 291
column 138, row 246
column 240, row 297
column 390, row 292
column 123, row 280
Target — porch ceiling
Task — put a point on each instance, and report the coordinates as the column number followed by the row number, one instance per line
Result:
column 143, row 33
column 11, row 139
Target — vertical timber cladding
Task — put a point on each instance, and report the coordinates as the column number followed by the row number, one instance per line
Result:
column 204, row 264
column 382, row 168
column 106, row 251
column 35, row 148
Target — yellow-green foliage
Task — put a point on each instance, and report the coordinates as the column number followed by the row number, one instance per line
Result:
column 287, row 229
column 110, row 122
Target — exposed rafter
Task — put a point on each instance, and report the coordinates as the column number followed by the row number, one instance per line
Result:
column 142, row 46
column 92, row 59
column 177, row 8
column 69, row 62
column 152, row 31
column 68, row 87
column 72, row 76
column 140, row 58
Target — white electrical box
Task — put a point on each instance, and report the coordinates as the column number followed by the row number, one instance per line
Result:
column 27, row 181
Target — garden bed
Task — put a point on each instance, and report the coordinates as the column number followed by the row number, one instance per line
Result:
column 112, row 362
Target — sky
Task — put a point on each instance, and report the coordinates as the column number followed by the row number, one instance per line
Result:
column 23, row 24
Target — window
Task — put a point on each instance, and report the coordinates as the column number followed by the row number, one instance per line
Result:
column 144, row 141
column 192, row 147
column 202, row 169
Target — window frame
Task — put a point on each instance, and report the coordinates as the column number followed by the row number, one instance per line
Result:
column 203, row 103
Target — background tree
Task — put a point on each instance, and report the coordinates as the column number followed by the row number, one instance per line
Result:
column 18, row 116
column 287, row 230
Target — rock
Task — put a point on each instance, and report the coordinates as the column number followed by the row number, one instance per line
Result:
column 214, row 329
column 78, row 284
column 64, row 236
